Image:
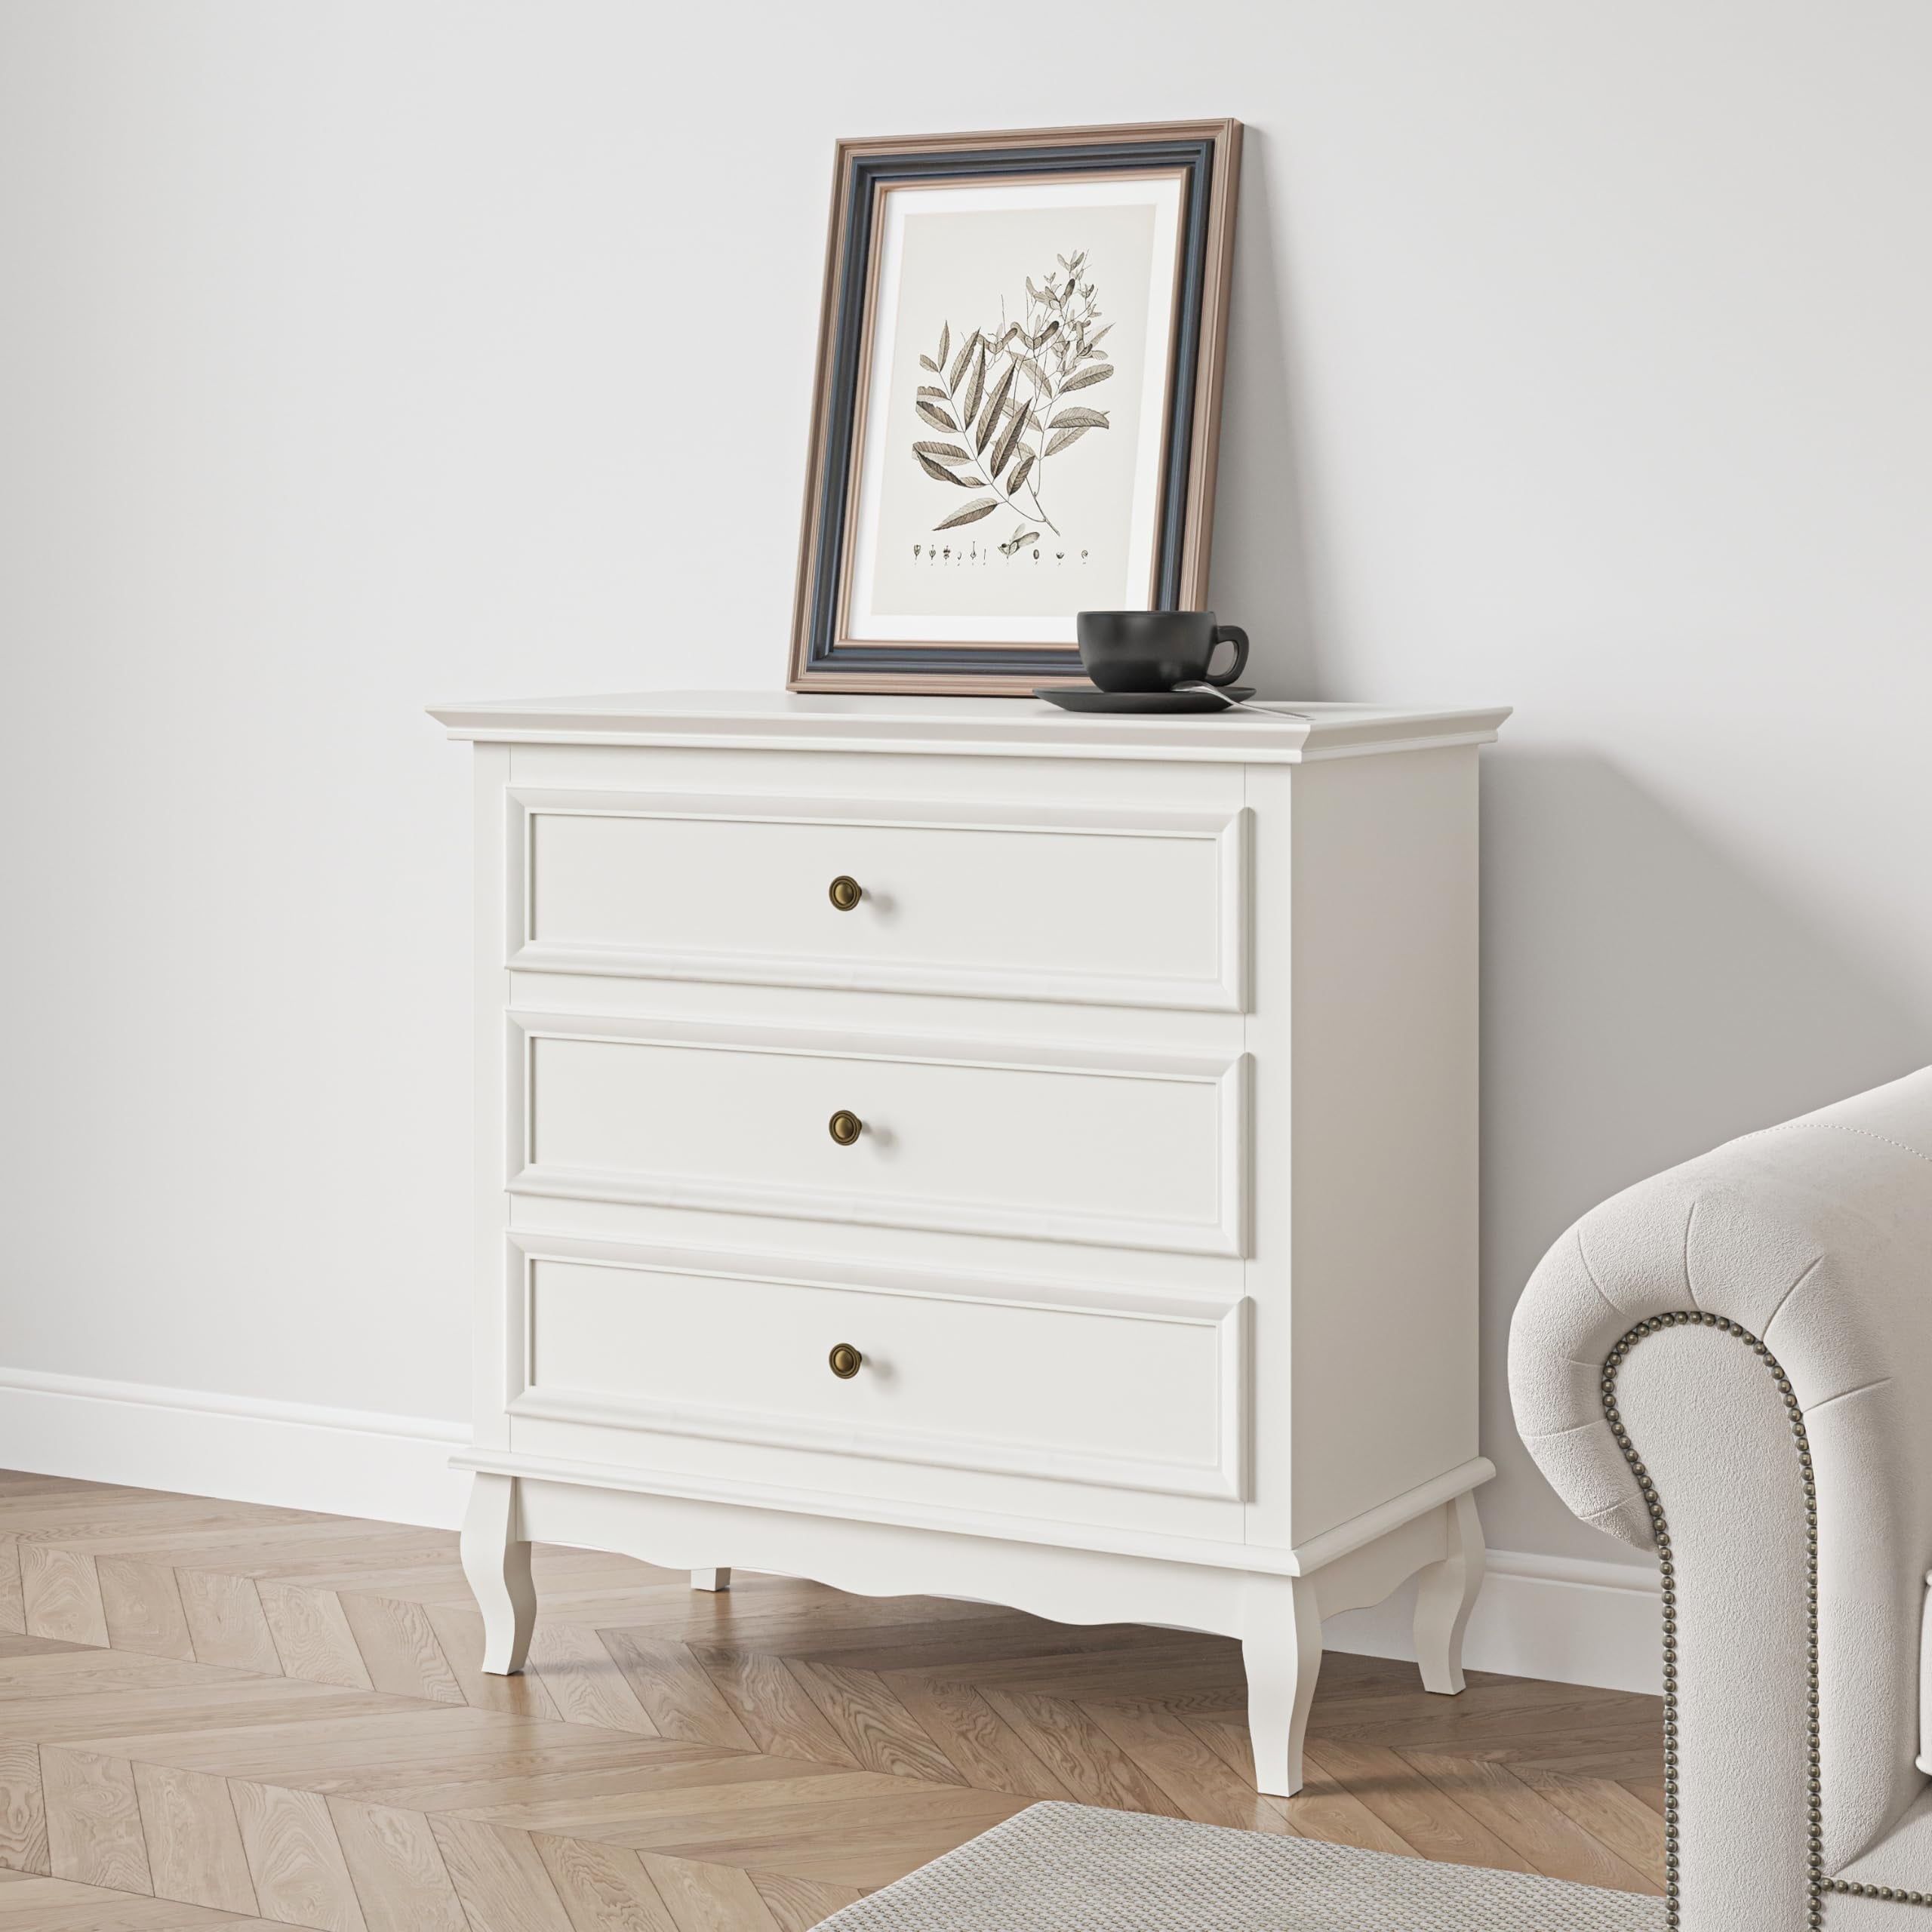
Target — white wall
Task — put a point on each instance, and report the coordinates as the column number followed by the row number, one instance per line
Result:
column 353, row 355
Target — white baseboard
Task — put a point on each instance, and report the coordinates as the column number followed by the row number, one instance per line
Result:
column 1557, row 1617
column 299, row 1455
column 1550, row 1617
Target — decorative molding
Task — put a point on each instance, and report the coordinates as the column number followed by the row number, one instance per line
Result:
column 1225, row 991
column 1227, row 1233
column 243, row 1449
column 969, row 727
column 1350, row 1535
column 1224, row 1477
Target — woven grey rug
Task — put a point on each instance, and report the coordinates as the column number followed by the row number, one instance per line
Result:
column 1070, row 1868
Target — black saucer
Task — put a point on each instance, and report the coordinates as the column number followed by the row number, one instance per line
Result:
column 1076, row 698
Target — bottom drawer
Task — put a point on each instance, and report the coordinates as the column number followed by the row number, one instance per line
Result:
column 1118, row 1388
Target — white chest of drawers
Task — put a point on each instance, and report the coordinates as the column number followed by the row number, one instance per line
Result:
column 1104, row 1087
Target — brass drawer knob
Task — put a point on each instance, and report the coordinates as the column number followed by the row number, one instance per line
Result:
column 846, row 1361
column 845, row 1127
column 845, row 893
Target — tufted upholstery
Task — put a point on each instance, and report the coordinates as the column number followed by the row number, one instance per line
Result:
column 1815, row 1238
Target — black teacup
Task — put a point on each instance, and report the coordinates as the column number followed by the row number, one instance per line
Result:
column 1154, row 651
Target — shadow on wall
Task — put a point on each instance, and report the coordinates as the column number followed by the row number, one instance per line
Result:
column 1645, row 997
column 1260, row 578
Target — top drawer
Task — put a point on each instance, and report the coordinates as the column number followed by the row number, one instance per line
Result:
column 1047, row 903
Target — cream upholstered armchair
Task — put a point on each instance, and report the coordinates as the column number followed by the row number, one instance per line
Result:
column 1731, row 1364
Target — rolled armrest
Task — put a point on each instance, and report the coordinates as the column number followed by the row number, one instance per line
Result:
column 1741, row 1350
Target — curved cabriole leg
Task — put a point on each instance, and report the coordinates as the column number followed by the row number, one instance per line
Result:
column 711, row 1579
column 1445, row 1593
column 1281, row 1648
column 496, row 1561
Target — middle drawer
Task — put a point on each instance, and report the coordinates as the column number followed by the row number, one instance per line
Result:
column 1099, row 1145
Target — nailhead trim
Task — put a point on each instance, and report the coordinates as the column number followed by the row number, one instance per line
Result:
column 1819, row 1885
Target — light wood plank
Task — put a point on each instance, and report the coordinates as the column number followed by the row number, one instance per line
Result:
column 61, row 1595
column 879, row 1731
column 295, row 1858
column 1321, row 1809
column 670, row 1684
column 1080, row 1754
column 1616, row 1816
column 225, row 1621
column 1428, row 1819
column 771, row 1704
column 23, row 1812
column 194, row 1843
column 142, row 1603
column 988, row 1751
column 398, row 1645
column 94, row 1820
column 401, row 1881
column 58, row 1905
column 604, row 1887
column 1551, row 1841
column 312, row 1635
column 863, row 1846
column 503, row 1882
column 1200, row 1783
column 798, row 1904
column 13, row 1603
column 701, row 1897
column 458, row 1628
column 736, row 1789
column 585, row 1680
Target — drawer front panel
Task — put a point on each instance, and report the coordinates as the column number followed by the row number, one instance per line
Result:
column 1062, row 1145
column 1122, row 1389
column 1046, row 902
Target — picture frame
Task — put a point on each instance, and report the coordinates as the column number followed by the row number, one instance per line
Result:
column 1016, row 411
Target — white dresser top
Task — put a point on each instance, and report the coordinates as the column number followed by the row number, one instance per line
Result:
column 1001, row 726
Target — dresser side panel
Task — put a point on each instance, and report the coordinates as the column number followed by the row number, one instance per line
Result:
column 496, row 1352
column 1383, row 1128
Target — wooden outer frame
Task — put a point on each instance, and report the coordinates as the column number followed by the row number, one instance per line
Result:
column 980, row 669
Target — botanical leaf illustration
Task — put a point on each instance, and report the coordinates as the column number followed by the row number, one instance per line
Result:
column 972, row 513
column 938, row 472
column 976, row 387
column 990, row 416
column 1008, row 442
column 1004, row 397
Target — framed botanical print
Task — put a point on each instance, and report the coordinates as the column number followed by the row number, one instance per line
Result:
column 1018, row 400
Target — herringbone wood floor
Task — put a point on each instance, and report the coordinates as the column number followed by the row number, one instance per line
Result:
column 212, row 1714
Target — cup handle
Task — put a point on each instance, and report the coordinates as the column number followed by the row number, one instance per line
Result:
column 1232, row 634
